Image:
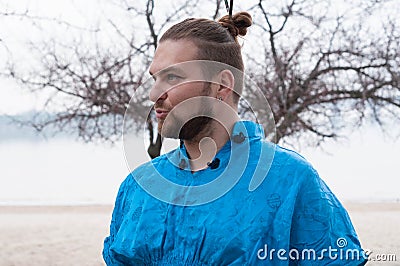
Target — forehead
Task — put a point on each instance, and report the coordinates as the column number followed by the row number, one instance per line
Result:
column 171, row 52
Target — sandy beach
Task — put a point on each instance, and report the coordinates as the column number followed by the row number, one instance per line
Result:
column 73, row 235
column 53, row 235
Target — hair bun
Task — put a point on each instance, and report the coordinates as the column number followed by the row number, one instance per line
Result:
column 238, row 24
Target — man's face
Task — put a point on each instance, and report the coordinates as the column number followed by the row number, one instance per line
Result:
column 175, row 81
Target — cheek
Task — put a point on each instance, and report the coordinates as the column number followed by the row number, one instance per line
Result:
column 184, row 92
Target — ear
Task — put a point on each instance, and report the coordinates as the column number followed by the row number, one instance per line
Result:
column 227, row 83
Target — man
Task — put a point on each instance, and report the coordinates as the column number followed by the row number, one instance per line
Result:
column 225, row 196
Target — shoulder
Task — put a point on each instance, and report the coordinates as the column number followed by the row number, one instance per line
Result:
column 290, row 168
column 286, row 159
column 312, row 187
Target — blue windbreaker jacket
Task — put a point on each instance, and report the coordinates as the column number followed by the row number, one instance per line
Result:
column 266, row 206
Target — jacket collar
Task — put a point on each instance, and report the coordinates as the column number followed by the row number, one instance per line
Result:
column 242, row 132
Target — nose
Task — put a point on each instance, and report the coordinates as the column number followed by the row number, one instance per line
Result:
column 157, row 93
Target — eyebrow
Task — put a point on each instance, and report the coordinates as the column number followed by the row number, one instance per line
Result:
column 171, row 68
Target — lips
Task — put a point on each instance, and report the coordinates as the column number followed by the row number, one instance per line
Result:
column 161, row 113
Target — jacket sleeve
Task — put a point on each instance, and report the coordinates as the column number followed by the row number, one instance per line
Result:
column 120, row 209
column 322, row 232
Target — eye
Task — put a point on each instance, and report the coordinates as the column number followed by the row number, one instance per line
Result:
column 172, row 77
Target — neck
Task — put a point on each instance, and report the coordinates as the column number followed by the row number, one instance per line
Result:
column 203, row 148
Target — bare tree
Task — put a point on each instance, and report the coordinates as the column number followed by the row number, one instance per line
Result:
column 320, row 73
column 90, row 87
column 325, row 73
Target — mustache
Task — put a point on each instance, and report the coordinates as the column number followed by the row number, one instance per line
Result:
column 161, row 105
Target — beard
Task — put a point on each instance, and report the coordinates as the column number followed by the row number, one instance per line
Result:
column 192, row 128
